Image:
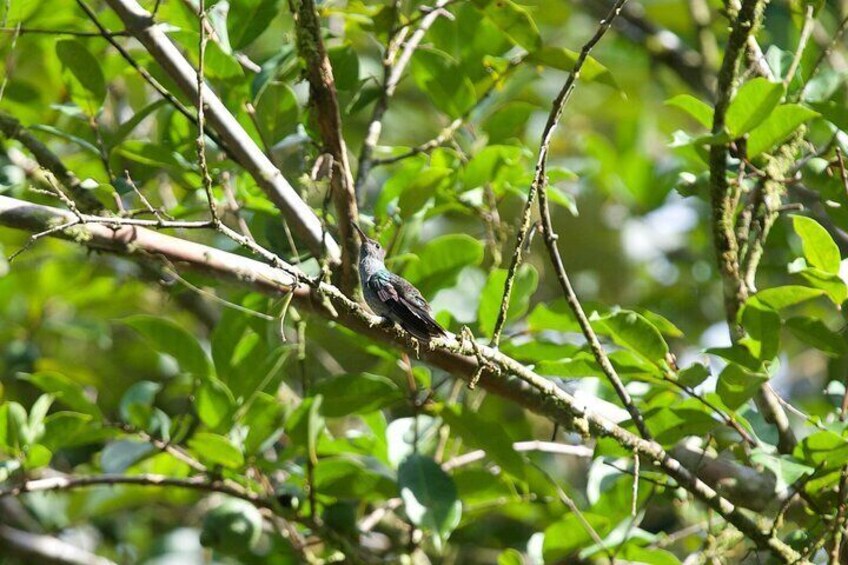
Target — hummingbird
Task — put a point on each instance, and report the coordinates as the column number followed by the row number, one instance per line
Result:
column 391, row 296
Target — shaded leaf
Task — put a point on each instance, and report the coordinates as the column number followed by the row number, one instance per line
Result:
column 514, row 21
column 66, row 391
column 247, row 20
column 814, row 332
column 356, row 394
column 429, row 496
column 736, row 385
column 168, row 337
column 526, row 280
column 88, row 87
column 479, row 433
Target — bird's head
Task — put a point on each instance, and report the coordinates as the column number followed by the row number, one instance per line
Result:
column 369, row 247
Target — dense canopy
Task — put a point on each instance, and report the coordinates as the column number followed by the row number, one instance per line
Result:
column 630, row 218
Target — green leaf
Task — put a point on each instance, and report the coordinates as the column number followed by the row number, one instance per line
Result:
column 754, row 102
column 305, row 424
column 786, row 469
column 214, row 402
column 352, row 478
column 563, row 539
column 782, row 297
column 820, row 250
column 514, row 21
column 681, row 419
column 19, row 435
column 168, row 337
column 119, row 455
column 632, row 331
column 443, row 81
column 264, row 421
column 479, row 433
column 693, row 375
column 136, row 404
column 823, row 448
column 247, row 20
column 357, row 394
column 66, row 391
column 421, row 189
column 228, row 333
column 126, row 128
column 570, row 368
column 64, row 430
column 37, row 456
column 441, row 260
column 736, row 385
column 526, row 280
column 509, row 121
column 633, row 553
column 698, row 109
column 88, row 87
column 834, row 112
column 564, row 60
column 216, row 449
column 762, row 325
column 782, row 122
column 345, row 65
column 831, row 283
column 510, row 557
column 498, row 165
column 555, row 316
column 277, row 112
column 814, row 332
column 4, row 425
column 429, row 496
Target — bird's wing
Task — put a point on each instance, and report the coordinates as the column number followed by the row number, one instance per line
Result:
column 406, row 306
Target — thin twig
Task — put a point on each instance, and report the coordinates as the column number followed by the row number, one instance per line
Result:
column 150, row 79
column 393, row 66
column 540, row 178
column 539, row 187
column 450, row 130
column 802, row 44
column 201, row 119
column 837, row 36
column 64, row 483
column 75, row 33
column 224, row 128
column 10, row 60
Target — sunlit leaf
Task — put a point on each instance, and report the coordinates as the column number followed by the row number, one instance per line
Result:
column 753, row 103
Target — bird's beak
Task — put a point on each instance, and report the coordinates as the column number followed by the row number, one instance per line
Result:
column 361, row 233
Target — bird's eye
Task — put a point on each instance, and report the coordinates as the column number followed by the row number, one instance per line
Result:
column 378, row 246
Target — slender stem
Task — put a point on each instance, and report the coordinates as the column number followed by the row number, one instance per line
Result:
column 201, row 116
column 806, row 31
